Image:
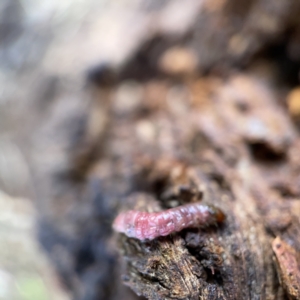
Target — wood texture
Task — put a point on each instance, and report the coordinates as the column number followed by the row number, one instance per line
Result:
column 209, row 113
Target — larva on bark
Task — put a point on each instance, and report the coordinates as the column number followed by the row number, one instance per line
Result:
column 144, row 225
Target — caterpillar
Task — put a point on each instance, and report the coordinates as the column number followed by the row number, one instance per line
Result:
column 144, row 225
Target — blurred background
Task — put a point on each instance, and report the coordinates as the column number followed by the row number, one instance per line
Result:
column 44, row 44
column 52, row 55
column 46, row 51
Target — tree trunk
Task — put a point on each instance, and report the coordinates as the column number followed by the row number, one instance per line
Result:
column 200, row 116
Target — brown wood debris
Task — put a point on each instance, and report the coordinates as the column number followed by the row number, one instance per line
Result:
column 288, row 265
column 206, row 115
column 225, row 142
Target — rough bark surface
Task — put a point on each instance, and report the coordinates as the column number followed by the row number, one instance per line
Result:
column 209, row 113
column 225, row 142
column 236, row 147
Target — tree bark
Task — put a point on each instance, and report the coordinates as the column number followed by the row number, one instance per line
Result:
column 195, row 117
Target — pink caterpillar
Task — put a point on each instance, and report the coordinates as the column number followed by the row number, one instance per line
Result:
column 144, row 225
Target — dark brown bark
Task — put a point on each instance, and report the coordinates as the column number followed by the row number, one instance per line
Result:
column 223, row 142
column 238, row 167
column 200, row 115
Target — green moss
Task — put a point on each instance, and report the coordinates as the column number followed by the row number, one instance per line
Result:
column 32, row 287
